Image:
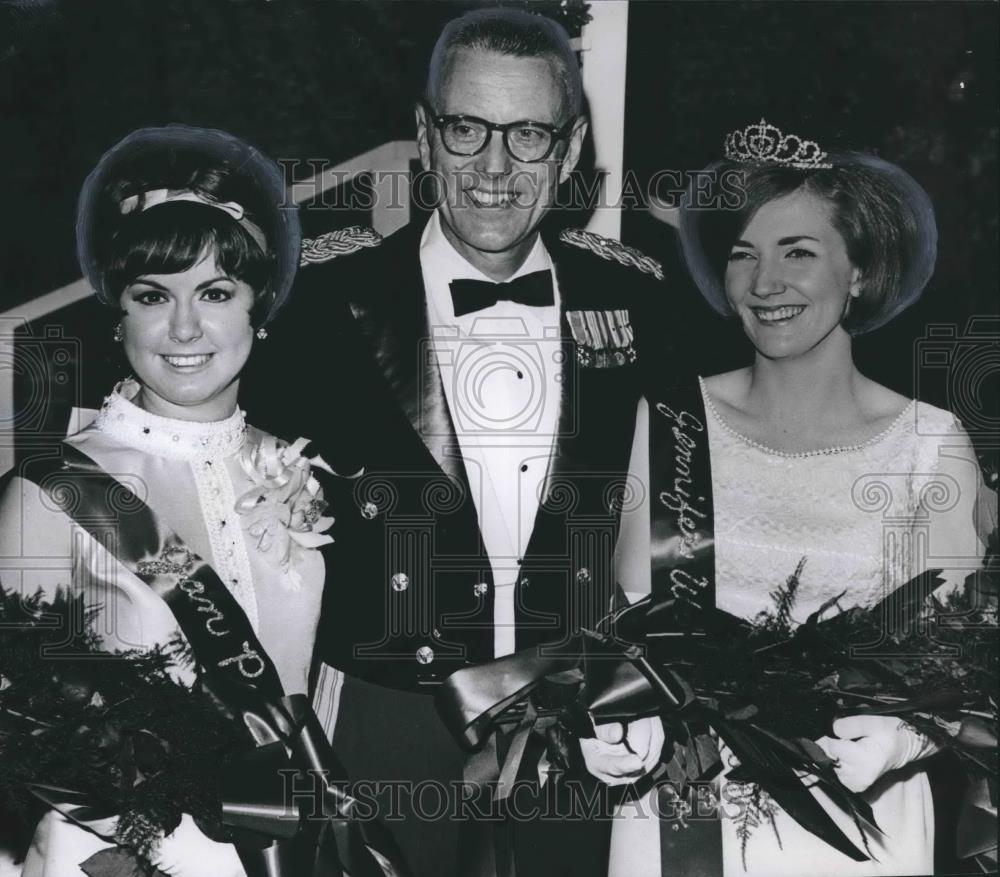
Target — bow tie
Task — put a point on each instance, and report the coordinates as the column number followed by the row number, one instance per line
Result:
column 534, row 290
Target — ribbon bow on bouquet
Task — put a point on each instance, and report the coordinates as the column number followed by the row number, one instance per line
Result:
column 630, row 668
column 288, row 799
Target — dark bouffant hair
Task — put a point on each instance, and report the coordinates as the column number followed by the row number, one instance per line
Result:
column 171, row 237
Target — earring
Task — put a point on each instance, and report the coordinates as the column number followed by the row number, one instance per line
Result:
column 262, row 333
column 118, row 335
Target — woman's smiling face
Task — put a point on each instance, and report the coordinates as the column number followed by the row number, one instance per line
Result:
column 187, row 336
column 789, row 278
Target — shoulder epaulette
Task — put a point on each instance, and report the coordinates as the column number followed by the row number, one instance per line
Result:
column 338, row 243
column 612, row 250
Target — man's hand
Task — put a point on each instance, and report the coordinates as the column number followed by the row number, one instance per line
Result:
column 622, row 754
column 866, row 747
column 189, row 853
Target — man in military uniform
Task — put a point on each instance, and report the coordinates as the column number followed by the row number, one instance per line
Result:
column 474, row 381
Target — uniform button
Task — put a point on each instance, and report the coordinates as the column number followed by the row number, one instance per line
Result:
column 436, row 633
column 480, row 589
column 583, row 576
column 400, row 581
column 369, row 510
column 425, row 654
column 525, row 581
column 524, row 467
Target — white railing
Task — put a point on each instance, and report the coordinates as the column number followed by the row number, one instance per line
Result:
column 603, row 46
column 390, row 211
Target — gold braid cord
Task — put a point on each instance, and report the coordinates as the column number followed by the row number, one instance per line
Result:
column 615, row 251
column 338, row 243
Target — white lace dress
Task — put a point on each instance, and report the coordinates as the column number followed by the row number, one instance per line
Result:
column 192, row 476
column 865, row 519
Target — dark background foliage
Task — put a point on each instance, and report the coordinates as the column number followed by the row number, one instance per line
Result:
column 298, row 78
column 913, row 81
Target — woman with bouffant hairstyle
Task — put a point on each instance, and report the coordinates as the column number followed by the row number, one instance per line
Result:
column 820, row 248
column 186, row 235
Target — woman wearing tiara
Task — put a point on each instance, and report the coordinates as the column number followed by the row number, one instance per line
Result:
column 181, row 233
column 820, row 249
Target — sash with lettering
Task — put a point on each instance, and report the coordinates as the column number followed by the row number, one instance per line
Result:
column 277, row 838
column 683, row 566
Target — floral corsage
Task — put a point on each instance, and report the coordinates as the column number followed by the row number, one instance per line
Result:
column 284, row 509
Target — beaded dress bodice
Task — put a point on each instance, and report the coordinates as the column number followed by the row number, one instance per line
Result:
column 194, row 476
column 205, row 448
column 857, row 515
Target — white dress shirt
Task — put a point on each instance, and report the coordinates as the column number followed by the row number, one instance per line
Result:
column 500, row 367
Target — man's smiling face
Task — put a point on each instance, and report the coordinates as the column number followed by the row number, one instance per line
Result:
column 493, row 203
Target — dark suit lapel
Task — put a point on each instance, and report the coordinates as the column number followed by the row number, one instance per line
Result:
column 597, row 407
column 392, row 314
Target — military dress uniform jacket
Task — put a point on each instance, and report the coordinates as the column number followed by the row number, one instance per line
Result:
column 409, row 596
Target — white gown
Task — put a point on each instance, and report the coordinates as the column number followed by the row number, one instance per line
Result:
column 190, row 474
column 866, row 519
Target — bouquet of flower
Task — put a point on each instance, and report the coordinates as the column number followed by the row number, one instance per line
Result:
column 766, row 688
column 103, row 735
column 928, row 659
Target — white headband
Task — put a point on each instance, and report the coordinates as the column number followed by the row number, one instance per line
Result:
column 155, row 197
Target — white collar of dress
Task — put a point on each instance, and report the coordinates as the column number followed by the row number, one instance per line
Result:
column 165, row 436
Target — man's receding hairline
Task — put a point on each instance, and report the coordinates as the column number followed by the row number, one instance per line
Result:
column 554, row 61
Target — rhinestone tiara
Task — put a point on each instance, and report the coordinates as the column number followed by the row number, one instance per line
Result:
column 765, row 144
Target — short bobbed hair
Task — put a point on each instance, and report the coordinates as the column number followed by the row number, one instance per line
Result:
column 508, row 32
column 116, row 245
column 884, row 216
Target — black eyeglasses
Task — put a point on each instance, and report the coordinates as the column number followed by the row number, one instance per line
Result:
column 525, row 141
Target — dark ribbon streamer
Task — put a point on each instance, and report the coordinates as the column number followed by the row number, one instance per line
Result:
column 626, row 670
column 274, row 839
column 479, row 703
column 682, row 565
column 977, row 824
